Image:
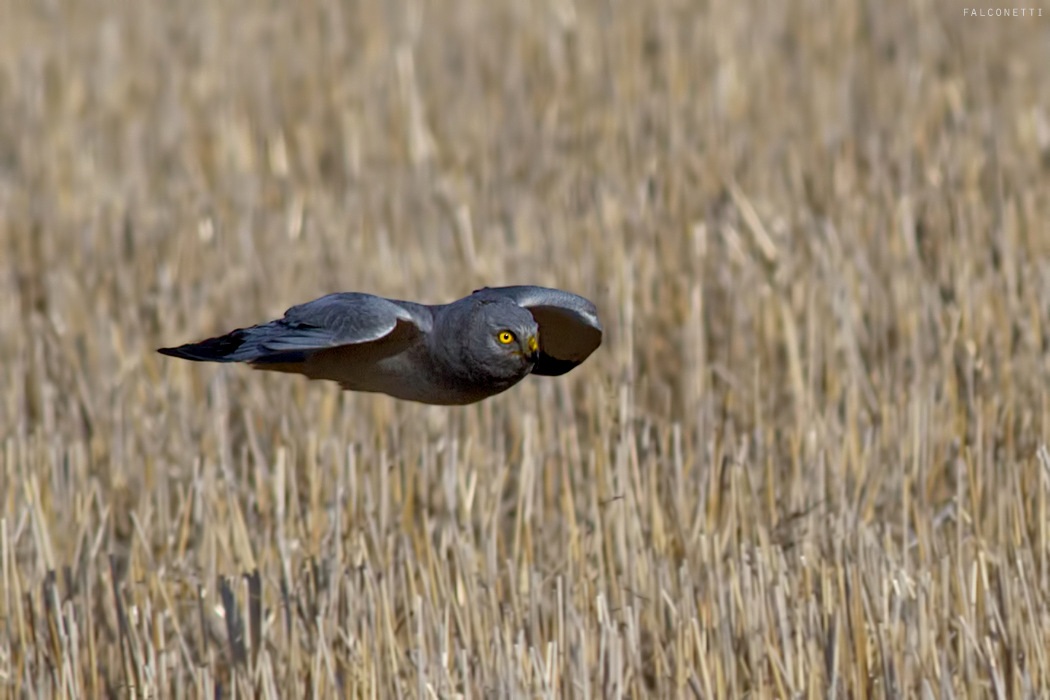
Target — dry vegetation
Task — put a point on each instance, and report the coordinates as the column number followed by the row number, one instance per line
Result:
column 808, row 461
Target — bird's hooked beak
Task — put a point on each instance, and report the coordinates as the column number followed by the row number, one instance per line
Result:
column 534, row 348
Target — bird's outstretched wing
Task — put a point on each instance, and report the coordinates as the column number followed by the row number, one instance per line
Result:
column 348, row 318
column 569, row 326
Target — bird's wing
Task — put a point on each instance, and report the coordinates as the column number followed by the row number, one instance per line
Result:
column 569, row 327
column 347, row 318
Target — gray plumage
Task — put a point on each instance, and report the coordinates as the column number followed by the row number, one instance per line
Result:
column 448, row 354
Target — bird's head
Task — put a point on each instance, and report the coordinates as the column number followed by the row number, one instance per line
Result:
column 500, row 340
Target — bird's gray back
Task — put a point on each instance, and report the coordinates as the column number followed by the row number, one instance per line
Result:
column 353, row 316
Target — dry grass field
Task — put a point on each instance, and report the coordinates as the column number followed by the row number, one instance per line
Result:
column 808, row 461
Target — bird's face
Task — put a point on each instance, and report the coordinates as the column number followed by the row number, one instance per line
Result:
column 509, row 340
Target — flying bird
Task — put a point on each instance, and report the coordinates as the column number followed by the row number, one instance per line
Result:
column 446, row 354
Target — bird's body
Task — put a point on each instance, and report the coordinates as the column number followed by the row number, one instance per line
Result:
column 447, row 354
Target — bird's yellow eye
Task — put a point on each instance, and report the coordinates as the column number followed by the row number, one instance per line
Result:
column 505, row 337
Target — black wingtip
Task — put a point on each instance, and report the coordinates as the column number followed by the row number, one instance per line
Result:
column 218, row 349
column 547, row 366
column 190, row 351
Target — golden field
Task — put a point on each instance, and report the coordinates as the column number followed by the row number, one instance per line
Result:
column 809, row 459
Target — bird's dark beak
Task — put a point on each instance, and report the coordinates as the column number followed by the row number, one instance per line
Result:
column 534, row 348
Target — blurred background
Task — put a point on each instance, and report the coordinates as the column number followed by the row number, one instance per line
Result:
column 807, row 460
